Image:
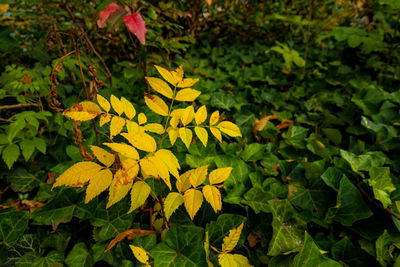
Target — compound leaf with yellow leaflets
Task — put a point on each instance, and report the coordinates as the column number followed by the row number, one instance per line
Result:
column 188, row 82
column 103, row 156
column 173, row 134
column 98, row 183
column 219, row 175
column 117, row 105
column 156, row 104
column 83, row 111
column 104, row 118
column 104, row 104
column 192, row 199
column 142, row 119
column 117, row 192
column 148, row 169
column 229, row 128
column 186, row 136
column 78, row 173
column 216, row 133
column 187, row 115
column 169, row 160
column 213, row 196
column 199, row 175
column 124, row 149
column 201, row 134
column 230, row 241
column 187, row 94
column 162, row 169
column 140, row 192
column 172, row 203
column 154, row 128
column 167, row 75
column 183, row 183
column 141, row 141
column 128, row 108
column 160, row 86
column 214, row 118
column 117, row 123
column 201, row 115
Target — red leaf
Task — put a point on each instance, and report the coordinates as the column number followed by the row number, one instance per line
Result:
column 106, row 13
column 137, row 26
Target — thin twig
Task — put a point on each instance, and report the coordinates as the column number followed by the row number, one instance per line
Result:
column 18, row 106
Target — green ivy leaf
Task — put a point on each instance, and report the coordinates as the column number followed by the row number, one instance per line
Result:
column 79, row 256
column 381, row 184
column 12, row 225
column 10, row 154
column 22, row 181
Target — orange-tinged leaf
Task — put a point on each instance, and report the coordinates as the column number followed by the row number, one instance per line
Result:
column 186, row 135
column 219, row 175
column 117, row 105
column 148, row 169
column 233, row 260
column 103, row 156
column 104, row 118
column 167, row 75
column 187, row 94
column 98, row 183
column 173, row 134
column 199, row 175
column 140, row 192
column 192, row 199
column 216, row 133
column 132, row 127
column 201, row 134
column 124, row 149
column 169, row 160
column 128, row 108
column 142, row 119
column 201, row 115
column 160, row 86
column 117, row 193
column 172, row 203
column 229, row 128
column 154, row 128
column 139, row 253
column 78, row 173
column 213, row 196
column 187, row 115
column 188, row 82
column 156, row 104
column 183, row 183
column 83, row 111
column 104, row 104
column 141, row 141
column 117, row 123
column 162, row 170
column 230, row 241
column 129, row 234
column 214, row 118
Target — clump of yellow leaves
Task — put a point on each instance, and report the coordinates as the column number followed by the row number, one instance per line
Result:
column 125, row 166
column 229, row 243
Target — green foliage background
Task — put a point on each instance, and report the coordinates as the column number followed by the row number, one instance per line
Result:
column 321, row 190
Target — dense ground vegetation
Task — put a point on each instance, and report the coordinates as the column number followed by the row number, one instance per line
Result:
column 313, row 86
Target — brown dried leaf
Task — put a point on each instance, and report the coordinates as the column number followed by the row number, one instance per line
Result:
column 259, row 124
column 130, row 234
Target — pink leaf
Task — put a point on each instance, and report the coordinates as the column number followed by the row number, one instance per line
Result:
column 137, row 26
column 101, row 22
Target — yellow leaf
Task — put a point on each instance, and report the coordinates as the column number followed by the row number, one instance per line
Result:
column 162, row 170
column 78, row 173
column 104, row 104
column 156, row 104
column 169, row 160
column 216, row 133
column 117, row 123
column 103, row 156
column 193, row 199
column 130, row 169
column 4, row 8
column 160, row 86
column 140, row 254
column 186, row 135
column 219, row 175
column 140, row 192
column 147, row 168
column 117, row 193
column 201, row 115
column 167, row 75
column 124, row 149
column 178, row 74
column 213, row 196
column 154, row 128
column 233, row 260
column 187, row 115
column 183, row 183
column 201, row 134
column 187, row 94
column 141, row 141
column 199, row 175
column 142, row 119
column 176, row 115
column 117, row 105
column 214, row 118
column 173, row 134
column 83, row 111
column 230, row 241
column 172, row 203
column 188, row 82
column 128, row 108
column 132, row 127
column 98, row 183
column 104, row 118
column 229, row 128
